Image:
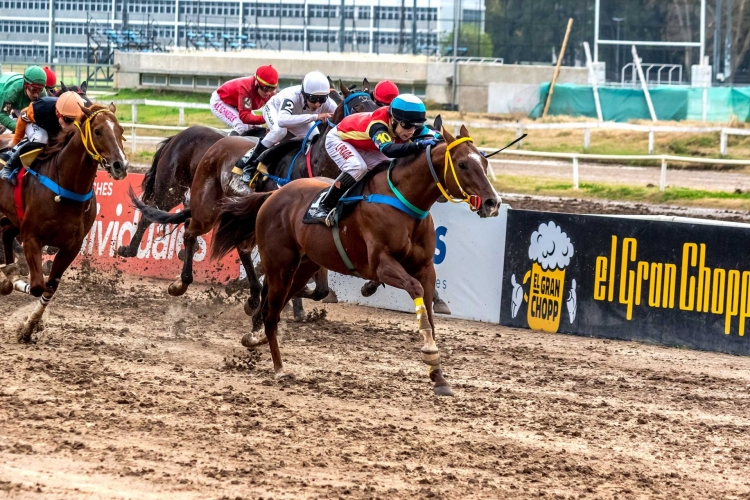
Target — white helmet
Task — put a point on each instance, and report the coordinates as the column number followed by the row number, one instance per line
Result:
column 315, row 83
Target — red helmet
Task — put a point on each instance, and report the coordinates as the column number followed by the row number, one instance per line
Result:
column 51, row 77
column 385, row 92
column 267, row 76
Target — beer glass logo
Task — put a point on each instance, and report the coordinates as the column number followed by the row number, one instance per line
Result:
column 550, row 251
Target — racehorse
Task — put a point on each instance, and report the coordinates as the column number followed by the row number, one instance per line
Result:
column 214, row 180
column 6, row 140
column 391, row 244
column 58, row 206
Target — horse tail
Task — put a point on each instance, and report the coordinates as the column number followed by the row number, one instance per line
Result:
column 235, row 222
column 147, row 186
column 156, row 215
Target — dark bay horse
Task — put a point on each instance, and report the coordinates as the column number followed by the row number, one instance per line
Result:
column 62, row 214
column 384, row 244
column 214, row 180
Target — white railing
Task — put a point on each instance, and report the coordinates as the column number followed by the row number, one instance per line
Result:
column 575, row 157
column 587, row 127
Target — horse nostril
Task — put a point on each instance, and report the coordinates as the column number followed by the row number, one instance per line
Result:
column 490, row 203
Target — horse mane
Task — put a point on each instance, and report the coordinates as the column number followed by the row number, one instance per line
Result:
column 61, row 140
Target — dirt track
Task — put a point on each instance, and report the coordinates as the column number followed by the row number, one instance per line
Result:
column 130, row 393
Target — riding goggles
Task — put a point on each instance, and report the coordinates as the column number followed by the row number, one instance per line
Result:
column 316, row 99
column 409, row 125
column 266, row 88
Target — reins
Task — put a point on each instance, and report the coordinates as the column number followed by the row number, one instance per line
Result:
column 88, row 139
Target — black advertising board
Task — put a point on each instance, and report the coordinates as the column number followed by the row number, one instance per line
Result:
column 671, row 283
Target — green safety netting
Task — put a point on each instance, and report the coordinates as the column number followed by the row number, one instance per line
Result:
column 670, row 102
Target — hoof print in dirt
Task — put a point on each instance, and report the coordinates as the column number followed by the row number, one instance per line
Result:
column 242, row 362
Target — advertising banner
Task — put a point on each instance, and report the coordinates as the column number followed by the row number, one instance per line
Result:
column 468, row 261
column 157, row 257
column 672, row 283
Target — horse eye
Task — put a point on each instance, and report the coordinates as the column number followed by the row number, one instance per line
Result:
column 462, row 165
column 97, row 132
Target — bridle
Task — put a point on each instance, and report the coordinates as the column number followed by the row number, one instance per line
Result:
column 474, row 201
column 88, row 139
column 349, row 106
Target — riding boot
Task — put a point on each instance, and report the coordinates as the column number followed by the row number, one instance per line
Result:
column 249, row 162
column 11, row 161
column 329, row 201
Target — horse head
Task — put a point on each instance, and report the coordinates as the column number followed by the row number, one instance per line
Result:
column 359, row 101
column 102, row 136
column 466, row 179
column 80, row 90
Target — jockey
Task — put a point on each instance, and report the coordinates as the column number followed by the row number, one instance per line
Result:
column 384, row 92
column 364, row 140
column 43, row 119
column 294, row 110
column 17, row 92
column 234, row 102
column 51, row 81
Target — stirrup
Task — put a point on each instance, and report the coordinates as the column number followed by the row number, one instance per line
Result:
column 330, row 220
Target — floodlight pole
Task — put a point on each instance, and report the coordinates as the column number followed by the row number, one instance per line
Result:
column 644, row 84
column 596, row 31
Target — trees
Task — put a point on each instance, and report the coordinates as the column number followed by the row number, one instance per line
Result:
column 472, row 42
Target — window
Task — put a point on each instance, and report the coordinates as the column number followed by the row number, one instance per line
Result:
column 207, row 81
column 154, row 80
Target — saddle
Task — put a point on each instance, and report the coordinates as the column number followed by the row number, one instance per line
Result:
column 346, row 204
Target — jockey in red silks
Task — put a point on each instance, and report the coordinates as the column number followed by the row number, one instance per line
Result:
column 51, row 81
column 384, row 93
column 237, row 101
column 364, row 140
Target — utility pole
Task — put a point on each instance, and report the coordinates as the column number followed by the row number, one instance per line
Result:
column 456, row 15
column 342, row 26
column 51, row 54
column 414, row 29
column 717, row 37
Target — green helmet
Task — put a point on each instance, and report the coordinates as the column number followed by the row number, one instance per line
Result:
column 34, row 75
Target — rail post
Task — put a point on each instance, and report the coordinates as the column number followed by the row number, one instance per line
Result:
column 586, row 138
column 723, row 143
column 650, row 140
column 132, row 138
column 519, row 133
column 456, row 130
column 181, row 121
column 575, row 172
column 663, row 178
column 134, row 113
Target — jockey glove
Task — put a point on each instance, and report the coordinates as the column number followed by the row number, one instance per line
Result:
column 426, row 142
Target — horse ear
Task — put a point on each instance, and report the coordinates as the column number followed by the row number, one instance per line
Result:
column 63, row 88
column 84, row 86
column 464, row 131
column 438, row 123
column 112, row 107
column 448, row 137
column 330, row 83
column 366, row 85
column 86, row 111
column 344, row 90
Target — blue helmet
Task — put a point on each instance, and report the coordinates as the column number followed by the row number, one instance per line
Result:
column 408, row 108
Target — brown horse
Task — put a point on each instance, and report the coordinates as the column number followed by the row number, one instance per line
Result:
column 391, row 246
column 60, row 205
column 214, row 180
column 167, row 182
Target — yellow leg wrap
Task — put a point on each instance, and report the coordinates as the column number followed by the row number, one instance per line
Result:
column 421, row 311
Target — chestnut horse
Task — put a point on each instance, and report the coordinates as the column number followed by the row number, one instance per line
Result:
column 60, row 205
column 383, row 244
column 214, row 180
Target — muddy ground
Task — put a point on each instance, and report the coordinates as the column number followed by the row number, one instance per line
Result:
column 130, row 393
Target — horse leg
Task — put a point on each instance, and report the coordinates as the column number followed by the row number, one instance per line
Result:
column 421, row 291
column 369, row 288
column 60, row 264
column 253, row 301
column 9, row 235
column 32, row 250
column 131, row 249
column 439, row 305
column 321, row 291
column 181, row 284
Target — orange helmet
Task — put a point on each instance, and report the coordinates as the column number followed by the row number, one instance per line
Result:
column 69, row 105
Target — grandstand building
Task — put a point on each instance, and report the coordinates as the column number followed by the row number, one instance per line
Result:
column 90, row 30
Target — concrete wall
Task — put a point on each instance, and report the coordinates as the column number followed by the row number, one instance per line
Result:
column 473, row 79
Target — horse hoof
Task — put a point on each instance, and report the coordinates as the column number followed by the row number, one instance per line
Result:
column 443, row 390
column 331, row 298
column 177, row 289
column 369, row 288
column 251, row 341
column 440, row 307
column 283, row 376
column 125, row 251
column 6, row 287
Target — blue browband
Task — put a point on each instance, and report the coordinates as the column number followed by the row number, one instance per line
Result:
column 350, row 97
column 59, row 190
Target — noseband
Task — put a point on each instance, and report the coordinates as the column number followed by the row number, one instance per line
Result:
column 474, row 201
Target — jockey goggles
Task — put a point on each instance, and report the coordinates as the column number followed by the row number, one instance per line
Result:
column 409, row 125
column 267, row 88
column 316, row 99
